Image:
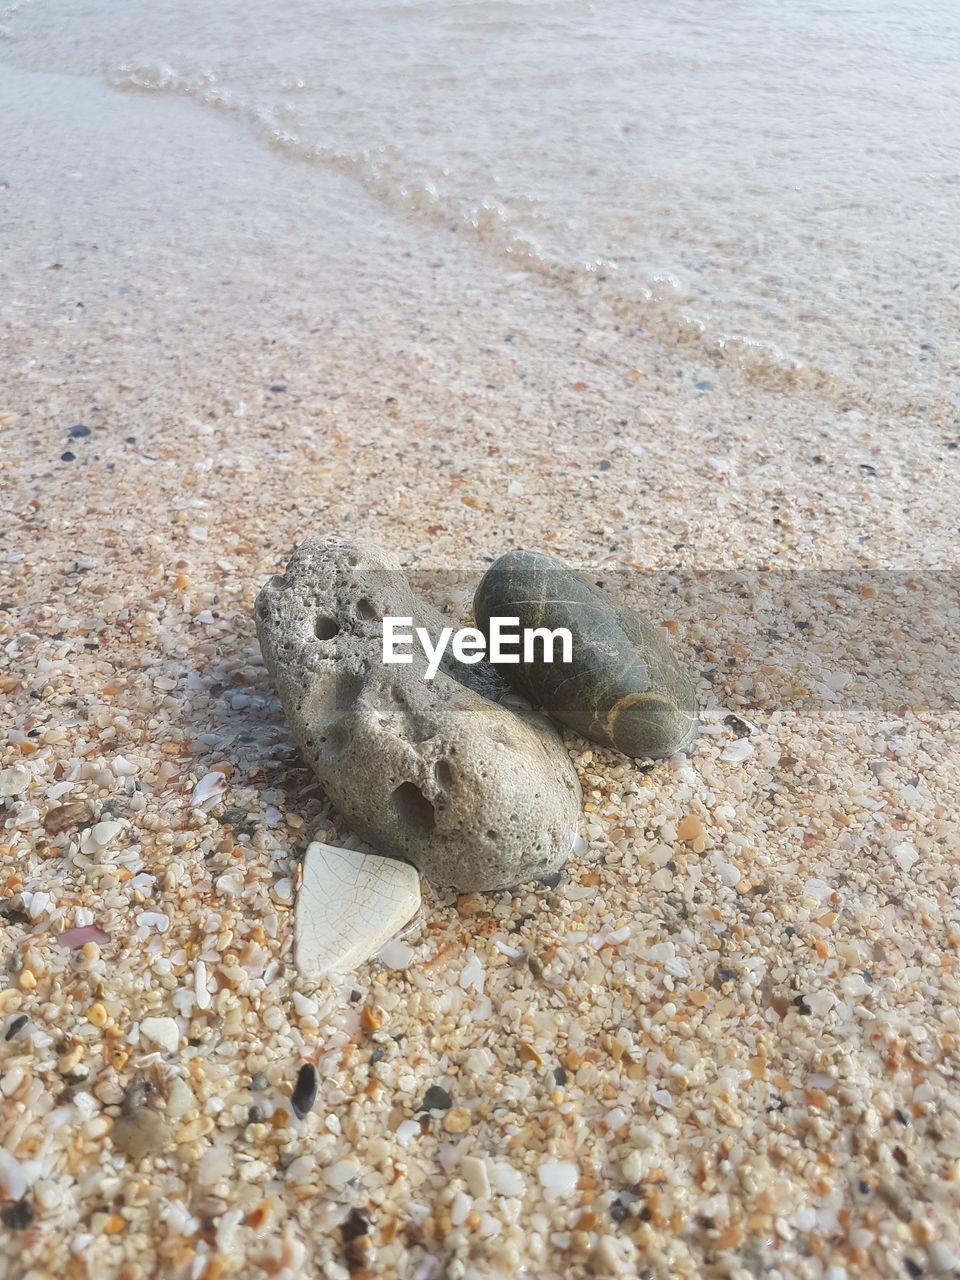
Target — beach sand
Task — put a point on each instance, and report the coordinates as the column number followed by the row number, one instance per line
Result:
column 725, row 1044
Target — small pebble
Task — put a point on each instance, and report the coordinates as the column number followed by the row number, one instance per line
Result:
column 436, row 1099
column 905, row 855
column 163, row 1032
column 144, row 1133
column 66, row 816
column 396, row 954
column 103, row 832
column 13, row 781
column 305, row 1091
column 558, row 1177
column 457, row 1120
column 16, row 1025
column 475, row 1175
column 17, row 1217
column 341, row 1172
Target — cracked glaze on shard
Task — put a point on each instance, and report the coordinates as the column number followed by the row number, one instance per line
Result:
column 348, row 906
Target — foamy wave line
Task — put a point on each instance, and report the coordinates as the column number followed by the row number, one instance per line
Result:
column 656, row 306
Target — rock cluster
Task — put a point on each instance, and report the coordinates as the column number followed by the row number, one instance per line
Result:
column 475, row 795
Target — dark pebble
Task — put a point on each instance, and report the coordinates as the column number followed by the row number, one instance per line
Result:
column 604, row 465
column 305, row 1092
column 254, row 1115
column 233, row 817
column 622, row 686
column 865, row 466
column 78, row 432
column 278, row 387
column 619, row 1211
column 913, row 1269
column 136, row 1095
column 355, row 1226
column 435, row 1099
column 66, row 816
column 67, row 456
column 559, row 1075
column 704, row 385
column 12, row 909
column 740, row 730
column 376, row 1056
column 16, row 1025
column 17, row 1216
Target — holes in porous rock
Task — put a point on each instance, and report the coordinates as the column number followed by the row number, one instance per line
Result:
column 325, row 628
column 443, row 774
column 367, row 610
column 412, row 807
column 493, row 835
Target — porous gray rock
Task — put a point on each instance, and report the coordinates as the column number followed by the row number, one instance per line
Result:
column 623, row 687
column 475, row 795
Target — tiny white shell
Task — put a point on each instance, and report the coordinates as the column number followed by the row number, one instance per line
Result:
column 208, row 790
column 348, row 905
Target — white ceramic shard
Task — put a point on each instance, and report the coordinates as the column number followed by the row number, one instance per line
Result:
column 348, row 905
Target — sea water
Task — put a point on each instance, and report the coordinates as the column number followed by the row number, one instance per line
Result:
column 776, row 186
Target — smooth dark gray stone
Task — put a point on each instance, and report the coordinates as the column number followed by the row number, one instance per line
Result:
column 624, row 687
